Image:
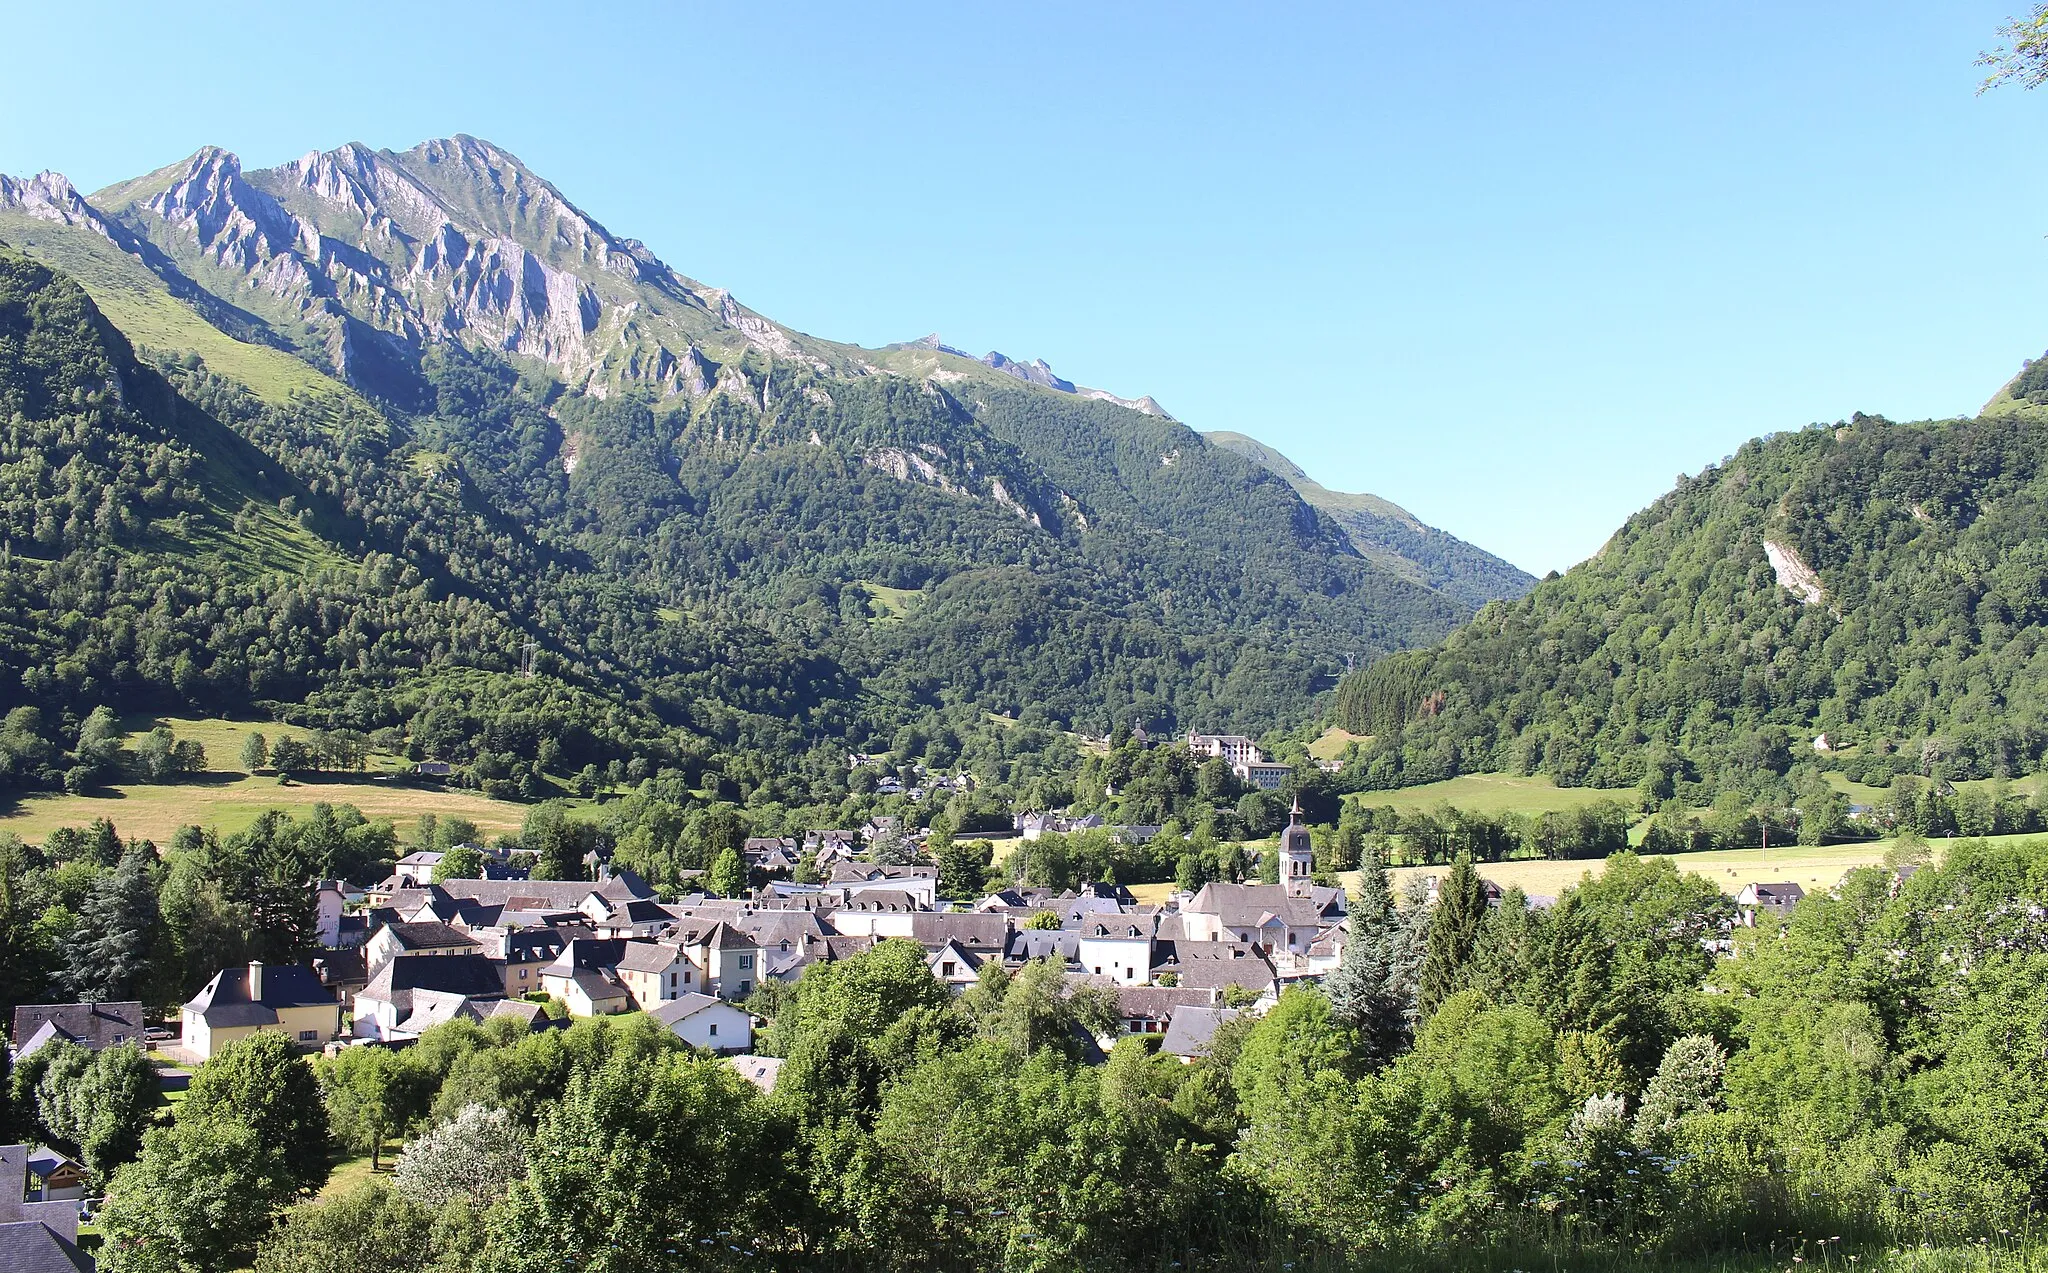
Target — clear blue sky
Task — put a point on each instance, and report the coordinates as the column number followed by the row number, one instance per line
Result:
column 1511, row 265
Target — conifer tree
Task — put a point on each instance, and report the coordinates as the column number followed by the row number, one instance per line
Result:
column 1453, row 933
column 1372, row 990
column 117, row 929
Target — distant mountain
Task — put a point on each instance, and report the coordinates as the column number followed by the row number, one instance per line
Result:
column 1867, row 596
column 1386, row 533
column 942, row 536
column 1037, row 372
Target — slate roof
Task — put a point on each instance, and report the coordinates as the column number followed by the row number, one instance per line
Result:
column 430, row 935
column 434, row 1007
column 225, row 1001
column 1243, row 905
column 761, row 1071
column 471, row 975
column 682, row 1008
column 43, row 1160
column 976, row 931
column 1159, row 1003
column 1041, row 943
column 1192, row 1029
column 546, row 895
column 587, row 953
column 93, row 1024
column 535, row 943
column 30, row 1246
column 1212, row 965
column 1117, row 928
column 647, row 956
column 527, row 1012
column 888, row 900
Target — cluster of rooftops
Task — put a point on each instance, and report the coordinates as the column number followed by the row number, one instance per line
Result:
column 408, row 953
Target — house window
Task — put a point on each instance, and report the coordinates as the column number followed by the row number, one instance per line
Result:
column 522, row 974
column 309, row 1036
column 746, row 988
column 946, row 969
column 746, row 961
column 714, row 1029
column 671, row 981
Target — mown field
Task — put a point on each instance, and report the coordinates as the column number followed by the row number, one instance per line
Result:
column 226, row 798
column 1812, row 868
column 1492, row 794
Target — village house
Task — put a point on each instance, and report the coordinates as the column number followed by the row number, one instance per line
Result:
column 1777, row 898
column 521, row 953
column 1150, row 1009
column 36, row 1235
column 387, row 1001
column 655, row 973
column 954, row 964
column 419, row 939
column 761, row 1071
column 240, row 1001
column 416, row 869
column 1217, row 966
column 1118, row 947
column 333, row 926
column 1192, row 1030
column 585, row 977
column 706, row 1021
column 90, row 1025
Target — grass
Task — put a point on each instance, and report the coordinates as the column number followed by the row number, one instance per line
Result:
column 1493, row 794
column 228, row 802
column 1333, row 742
column 135, row 301
column 888, row 604
column 1861, row 794
column 352, row 1172
column 1813, row 868
column 226, row 798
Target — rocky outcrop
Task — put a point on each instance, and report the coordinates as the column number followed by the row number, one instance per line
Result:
column 1793, row 574
column 454, row 240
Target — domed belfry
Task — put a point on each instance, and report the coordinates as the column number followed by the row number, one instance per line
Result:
column 1297, row 856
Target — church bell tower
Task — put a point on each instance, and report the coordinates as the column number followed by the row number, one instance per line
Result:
column 1297, row 856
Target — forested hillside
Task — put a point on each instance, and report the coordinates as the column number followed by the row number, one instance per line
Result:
column 1867, row 596
column 1391, row 535
column 449, row 415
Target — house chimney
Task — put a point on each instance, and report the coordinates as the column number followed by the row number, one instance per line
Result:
column 255, row 981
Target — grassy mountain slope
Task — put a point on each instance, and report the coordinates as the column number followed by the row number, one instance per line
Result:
column 1880, row 583
column 1390, row 535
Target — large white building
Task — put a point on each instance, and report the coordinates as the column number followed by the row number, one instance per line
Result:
column 1243, row 757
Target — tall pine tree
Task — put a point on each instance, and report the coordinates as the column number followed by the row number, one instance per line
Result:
column 1373, row 989
column 1453, row 933
column 110, row 951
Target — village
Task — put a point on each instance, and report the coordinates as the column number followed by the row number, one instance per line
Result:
column 426, row 946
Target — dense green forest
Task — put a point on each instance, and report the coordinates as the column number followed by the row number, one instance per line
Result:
column 1502, row 1081
column 1675, row 661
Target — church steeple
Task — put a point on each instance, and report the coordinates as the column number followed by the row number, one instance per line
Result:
column 1297, row 855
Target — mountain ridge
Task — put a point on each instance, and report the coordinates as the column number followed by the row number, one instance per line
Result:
column 1385, row 532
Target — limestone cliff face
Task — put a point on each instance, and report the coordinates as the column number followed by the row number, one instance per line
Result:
column 454, row 240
